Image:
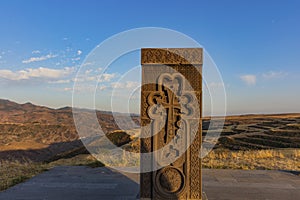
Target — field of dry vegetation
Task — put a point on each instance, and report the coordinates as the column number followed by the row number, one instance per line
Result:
column 257, row 142
column 275, row 159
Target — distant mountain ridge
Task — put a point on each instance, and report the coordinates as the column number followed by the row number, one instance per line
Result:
column 28, row 113
column 38, row 132
column 11, row 112
column 7, row 104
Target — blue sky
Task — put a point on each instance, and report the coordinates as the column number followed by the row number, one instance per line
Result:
column 255, row 44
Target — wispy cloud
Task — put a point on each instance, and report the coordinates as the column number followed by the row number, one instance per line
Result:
column 94, row 75
column 79, row 52
column 66, row 89
column 249, row 79
column 86, row 87
column 76, row 59
column 40, row 72
column 102, row 87
column 36, row 52
column 274, row 75
column 36, row 59
column 80, row 88
column 107, row 77
column 126, row 85
column 60, row 81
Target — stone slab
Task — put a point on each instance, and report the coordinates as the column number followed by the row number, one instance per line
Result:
column 78, row 183
column 75, row 183
column 224, row 184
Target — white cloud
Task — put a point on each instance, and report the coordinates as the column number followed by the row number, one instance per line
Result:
column 132, row 84
column 99, row 69
column 8, row 74
column 87, row 64
column 76, row 59
column 117, row 85
column 88, row 71
column 60, row 81
column 126, row 85
column 249, row 79
column 82, row 88
column 36, row 52
column 93, row 75
column 68, row 89
column 274, row 75
column 40, row 72
column 102, row 87
column 79, row 52
column 106, row 77
column 36, row 59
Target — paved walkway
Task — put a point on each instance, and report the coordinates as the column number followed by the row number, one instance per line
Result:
column 83, row 183
column 250, row 185
column 75, row 183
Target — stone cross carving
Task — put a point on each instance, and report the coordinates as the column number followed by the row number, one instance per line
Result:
column 171, row 123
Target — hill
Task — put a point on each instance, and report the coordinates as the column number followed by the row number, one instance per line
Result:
column 40, row 133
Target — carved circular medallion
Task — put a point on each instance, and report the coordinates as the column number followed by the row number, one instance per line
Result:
column 170, row 180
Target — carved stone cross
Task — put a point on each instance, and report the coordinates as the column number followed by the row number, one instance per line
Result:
column 171, row 123
column 166, row 99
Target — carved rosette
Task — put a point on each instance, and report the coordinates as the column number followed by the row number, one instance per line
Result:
column 170, row 180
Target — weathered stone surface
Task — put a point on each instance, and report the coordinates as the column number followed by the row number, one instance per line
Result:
column 171, row 119
column 79, row 182
column 177, row 56
column 76, row 183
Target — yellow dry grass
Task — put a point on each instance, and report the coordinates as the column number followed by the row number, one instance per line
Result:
column 13, row 172
column 24, row 145
column 276, row 159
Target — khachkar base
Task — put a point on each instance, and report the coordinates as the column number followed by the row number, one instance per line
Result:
column 171, row 100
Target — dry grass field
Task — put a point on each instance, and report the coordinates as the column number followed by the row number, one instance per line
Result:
column 257, row 142
column 275, row 159
column 13, row 172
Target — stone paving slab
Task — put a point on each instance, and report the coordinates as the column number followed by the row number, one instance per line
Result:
column 84, row 183
column 75, row 183
column 251, row 184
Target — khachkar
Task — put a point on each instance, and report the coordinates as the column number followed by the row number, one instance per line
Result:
column 171, row 100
